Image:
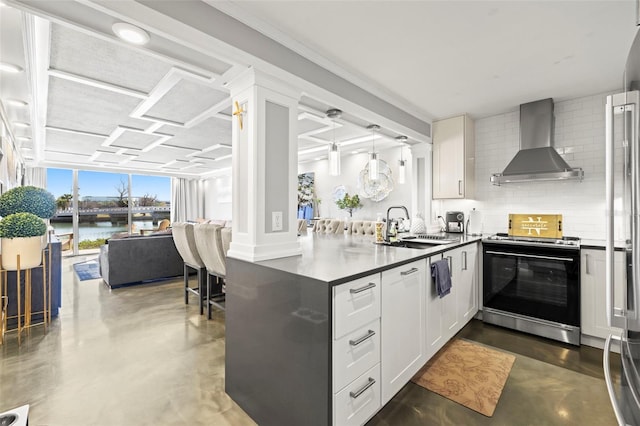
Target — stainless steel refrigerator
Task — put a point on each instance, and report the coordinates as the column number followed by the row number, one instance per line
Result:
column 623, row 234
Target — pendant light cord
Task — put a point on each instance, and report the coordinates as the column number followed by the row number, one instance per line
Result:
column 373, row 138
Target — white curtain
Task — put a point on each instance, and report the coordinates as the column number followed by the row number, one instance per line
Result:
column 187, row 199
column 35, row 176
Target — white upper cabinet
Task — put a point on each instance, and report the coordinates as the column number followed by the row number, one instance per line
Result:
column 453, row 158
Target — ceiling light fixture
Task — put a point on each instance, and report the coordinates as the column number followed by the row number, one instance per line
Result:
column 16, row 102
column 12, row 68
column 401, row 168
column 334, row 150
column 130, row 33
column 373, row 155
column 20, row 124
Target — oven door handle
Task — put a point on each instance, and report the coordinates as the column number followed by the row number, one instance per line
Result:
column 534, row 256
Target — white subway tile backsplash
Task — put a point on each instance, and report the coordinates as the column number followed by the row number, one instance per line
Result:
column 579, row 135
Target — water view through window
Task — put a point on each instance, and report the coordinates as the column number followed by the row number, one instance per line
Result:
column 103, row 202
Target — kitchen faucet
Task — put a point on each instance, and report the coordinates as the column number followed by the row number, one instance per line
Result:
column 386, row 232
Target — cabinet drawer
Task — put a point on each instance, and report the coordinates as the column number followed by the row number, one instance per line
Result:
column 355, row 353
column 355, row 304
column 359, row 401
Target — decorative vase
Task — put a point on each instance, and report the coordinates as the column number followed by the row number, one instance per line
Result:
column 418, row 225
column 29, row 249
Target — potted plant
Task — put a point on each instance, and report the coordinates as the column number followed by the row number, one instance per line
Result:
column 349, row 203
column 21, row 234
column 28, row 199
column 39, row 204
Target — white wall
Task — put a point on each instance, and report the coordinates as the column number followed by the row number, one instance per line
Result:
column 579, row 138
column 218, row 198
column 352, row 164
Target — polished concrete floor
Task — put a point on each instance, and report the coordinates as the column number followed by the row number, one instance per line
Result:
column 140, row 356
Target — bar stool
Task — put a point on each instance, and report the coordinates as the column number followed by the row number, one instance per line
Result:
column 211, row 248
column 184, row 239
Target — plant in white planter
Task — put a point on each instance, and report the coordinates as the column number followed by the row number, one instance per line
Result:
column 39, row 204
column 28, row 199
column 21, row 234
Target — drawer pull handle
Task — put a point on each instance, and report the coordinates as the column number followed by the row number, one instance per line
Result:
column 361, row 289
column 410, row 271
column 360, row 391
column 356, row 342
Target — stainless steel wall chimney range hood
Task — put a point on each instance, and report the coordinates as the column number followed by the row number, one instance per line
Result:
column 537, row 159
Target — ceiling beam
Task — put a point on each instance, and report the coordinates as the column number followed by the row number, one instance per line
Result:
column 37, row 42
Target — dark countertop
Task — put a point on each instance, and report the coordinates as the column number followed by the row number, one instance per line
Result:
column 600, row 244
column 337, row 258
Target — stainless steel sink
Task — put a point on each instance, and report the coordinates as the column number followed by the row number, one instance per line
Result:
column 410, row 244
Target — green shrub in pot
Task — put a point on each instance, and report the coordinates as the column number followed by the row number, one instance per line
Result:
column 28, row 199
column 21, row 234
column 23, row 224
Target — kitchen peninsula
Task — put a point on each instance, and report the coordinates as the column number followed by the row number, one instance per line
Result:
column 328, row 337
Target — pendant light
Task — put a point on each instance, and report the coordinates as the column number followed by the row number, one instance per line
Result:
column 402, row 170
column 373, row 155
column 334, row 149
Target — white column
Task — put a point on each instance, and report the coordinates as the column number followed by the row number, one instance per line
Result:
column 421, row 180
column 264, row 172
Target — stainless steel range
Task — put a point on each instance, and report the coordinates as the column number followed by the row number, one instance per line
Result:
column 533, row 285
column 568, row 242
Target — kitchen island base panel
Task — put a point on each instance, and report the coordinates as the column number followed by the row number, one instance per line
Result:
column 278, row 351
column 551, row 330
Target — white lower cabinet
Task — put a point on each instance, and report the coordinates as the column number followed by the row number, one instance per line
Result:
column 403, row 322
column 468, row 282
column 435, row 320
column 355, row 353
column 355, row 304
column 356, row 350
column 447, row 315
column 386, row 326
column 593, row 291
column 359, row 401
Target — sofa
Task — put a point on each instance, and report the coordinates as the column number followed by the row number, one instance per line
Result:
column 135, row 259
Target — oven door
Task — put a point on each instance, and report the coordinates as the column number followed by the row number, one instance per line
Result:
column 538, row 282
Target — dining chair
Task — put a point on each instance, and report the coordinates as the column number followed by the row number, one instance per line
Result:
column 329, row 226
column 302, row 227
column 362, row 227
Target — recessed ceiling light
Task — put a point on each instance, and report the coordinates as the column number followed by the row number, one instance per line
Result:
column 130, row 33
column 7, row 67
column 16, row 102
column 20, row 124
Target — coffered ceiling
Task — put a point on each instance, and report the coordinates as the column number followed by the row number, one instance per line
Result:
column 114, row 106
